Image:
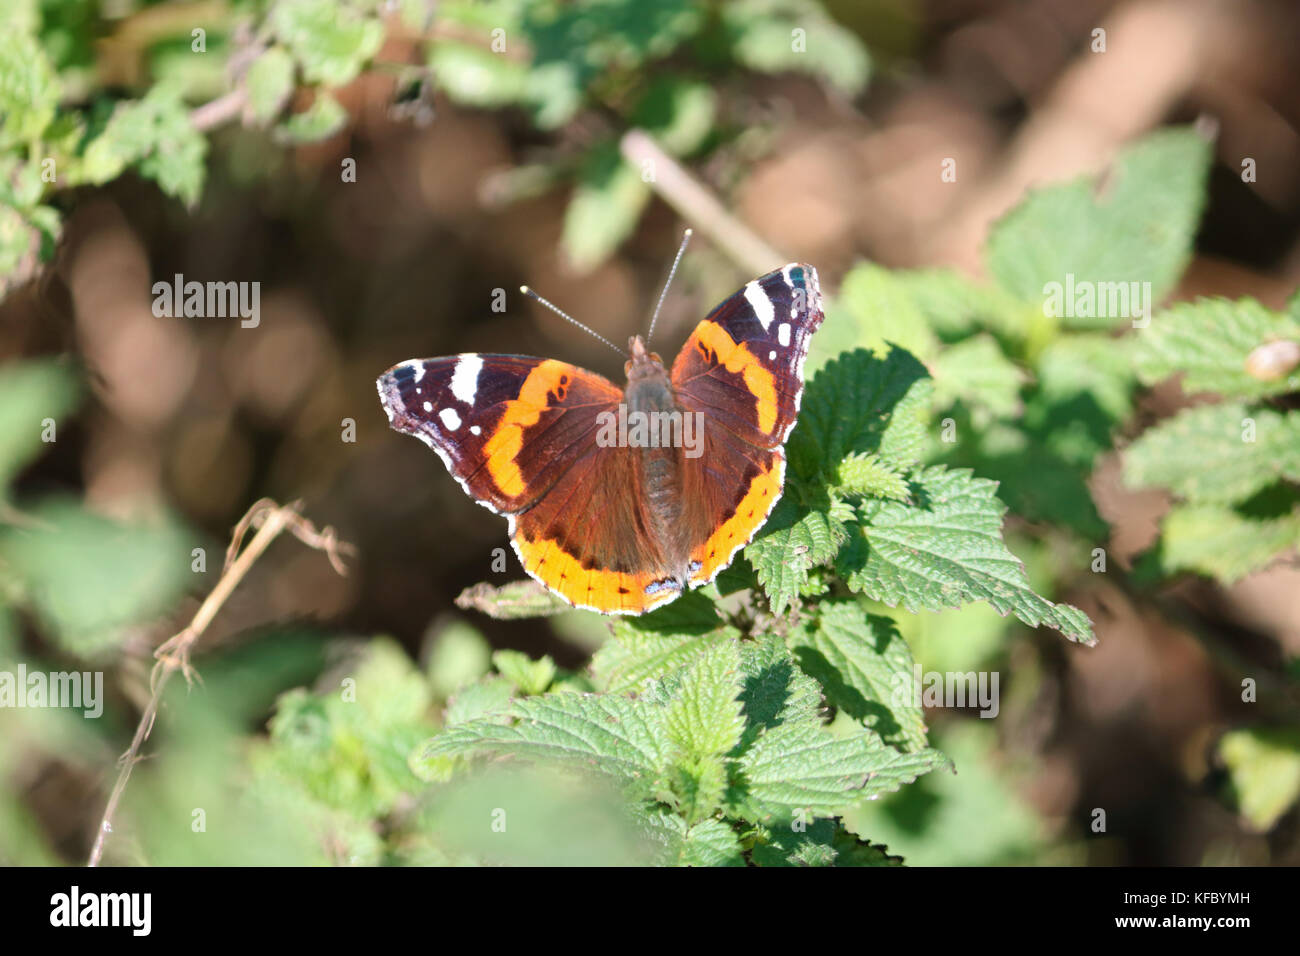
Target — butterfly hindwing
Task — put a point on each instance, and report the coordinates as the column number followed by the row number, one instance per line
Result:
column 587, row 539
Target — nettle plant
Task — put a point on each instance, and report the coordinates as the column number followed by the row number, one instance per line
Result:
column 1233, row 464
column 743, row 719
column 1034, row 367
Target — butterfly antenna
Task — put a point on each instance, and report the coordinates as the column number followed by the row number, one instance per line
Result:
column 564, row 315
column 686, row 238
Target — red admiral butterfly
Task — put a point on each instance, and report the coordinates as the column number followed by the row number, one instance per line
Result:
column 615, row 526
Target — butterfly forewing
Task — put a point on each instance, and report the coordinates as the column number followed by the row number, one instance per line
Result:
column 519, row 434
column 742, row 370
column 506, row 426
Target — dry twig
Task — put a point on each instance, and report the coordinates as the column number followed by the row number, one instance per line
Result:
column 698, row 206
column 174, row 655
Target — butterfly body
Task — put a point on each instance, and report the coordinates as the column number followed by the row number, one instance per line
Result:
column 620, row 500
column 649, row 393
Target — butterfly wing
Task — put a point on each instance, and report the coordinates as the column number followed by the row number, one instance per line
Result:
column 587, row 539
column 742, row 368
column 520, row 435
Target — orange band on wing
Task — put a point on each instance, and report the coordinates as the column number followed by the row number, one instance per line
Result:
column 595, row 588
column 739, row 359
column 716, row 552
column 502, row 449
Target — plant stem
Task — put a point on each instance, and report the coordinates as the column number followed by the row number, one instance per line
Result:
column 174, row 654
column 697, row 205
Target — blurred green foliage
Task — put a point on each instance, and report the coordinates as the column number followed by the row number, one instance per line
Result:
column 653, row 66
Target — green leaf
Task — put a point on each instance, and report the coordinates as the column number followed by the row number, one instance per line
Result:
column 866, row 474
column 791, row 543
column 707, row 843
column 801, row 766
column 678, row 113
column 696, row 786
column 533, row 816
column 518, row 599
column 269, row 82
column 1264, row 765
column 1204, row 454
column 176, row 161
column 20, row 249
column 348, row 745
column 1039, row 482
column 693, row 613
column 554, row 95
column 774, row 36
column 1135, row 223
column 1085, row 389
column 29, row 232
column 30, row 393
column 703, row 718
column 624, row 664
column 974, row 817
column 458, row 656
column 485, row 700
column 604, row 734
column 8, row 633
column 478, row 77
column 1209, row 342
column 798, row 842
column 156, row 135
column 865, row 669
column 1222, row 543
column 775, row 690
column 859, row 403
column 977, row 372
column 604, row 209
column 875, row 310
column 261, row 812
column 332, row 42
column 389, row 690
column 807, row 845
column 29, row 89
column 90, row 579
column 955, row 306
column 598, row 35
column 325, row 117
column 946, row 550
column 530, row 676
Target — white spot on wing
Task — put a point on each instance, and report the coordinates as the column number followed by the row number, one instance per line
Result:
column 475, row 430
column 419, row 371
column 464, row 381
column 783, row 334
column 760, row 303
column 771, row 356
column 787, row 273
column 428, row 406
column 450, row 418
